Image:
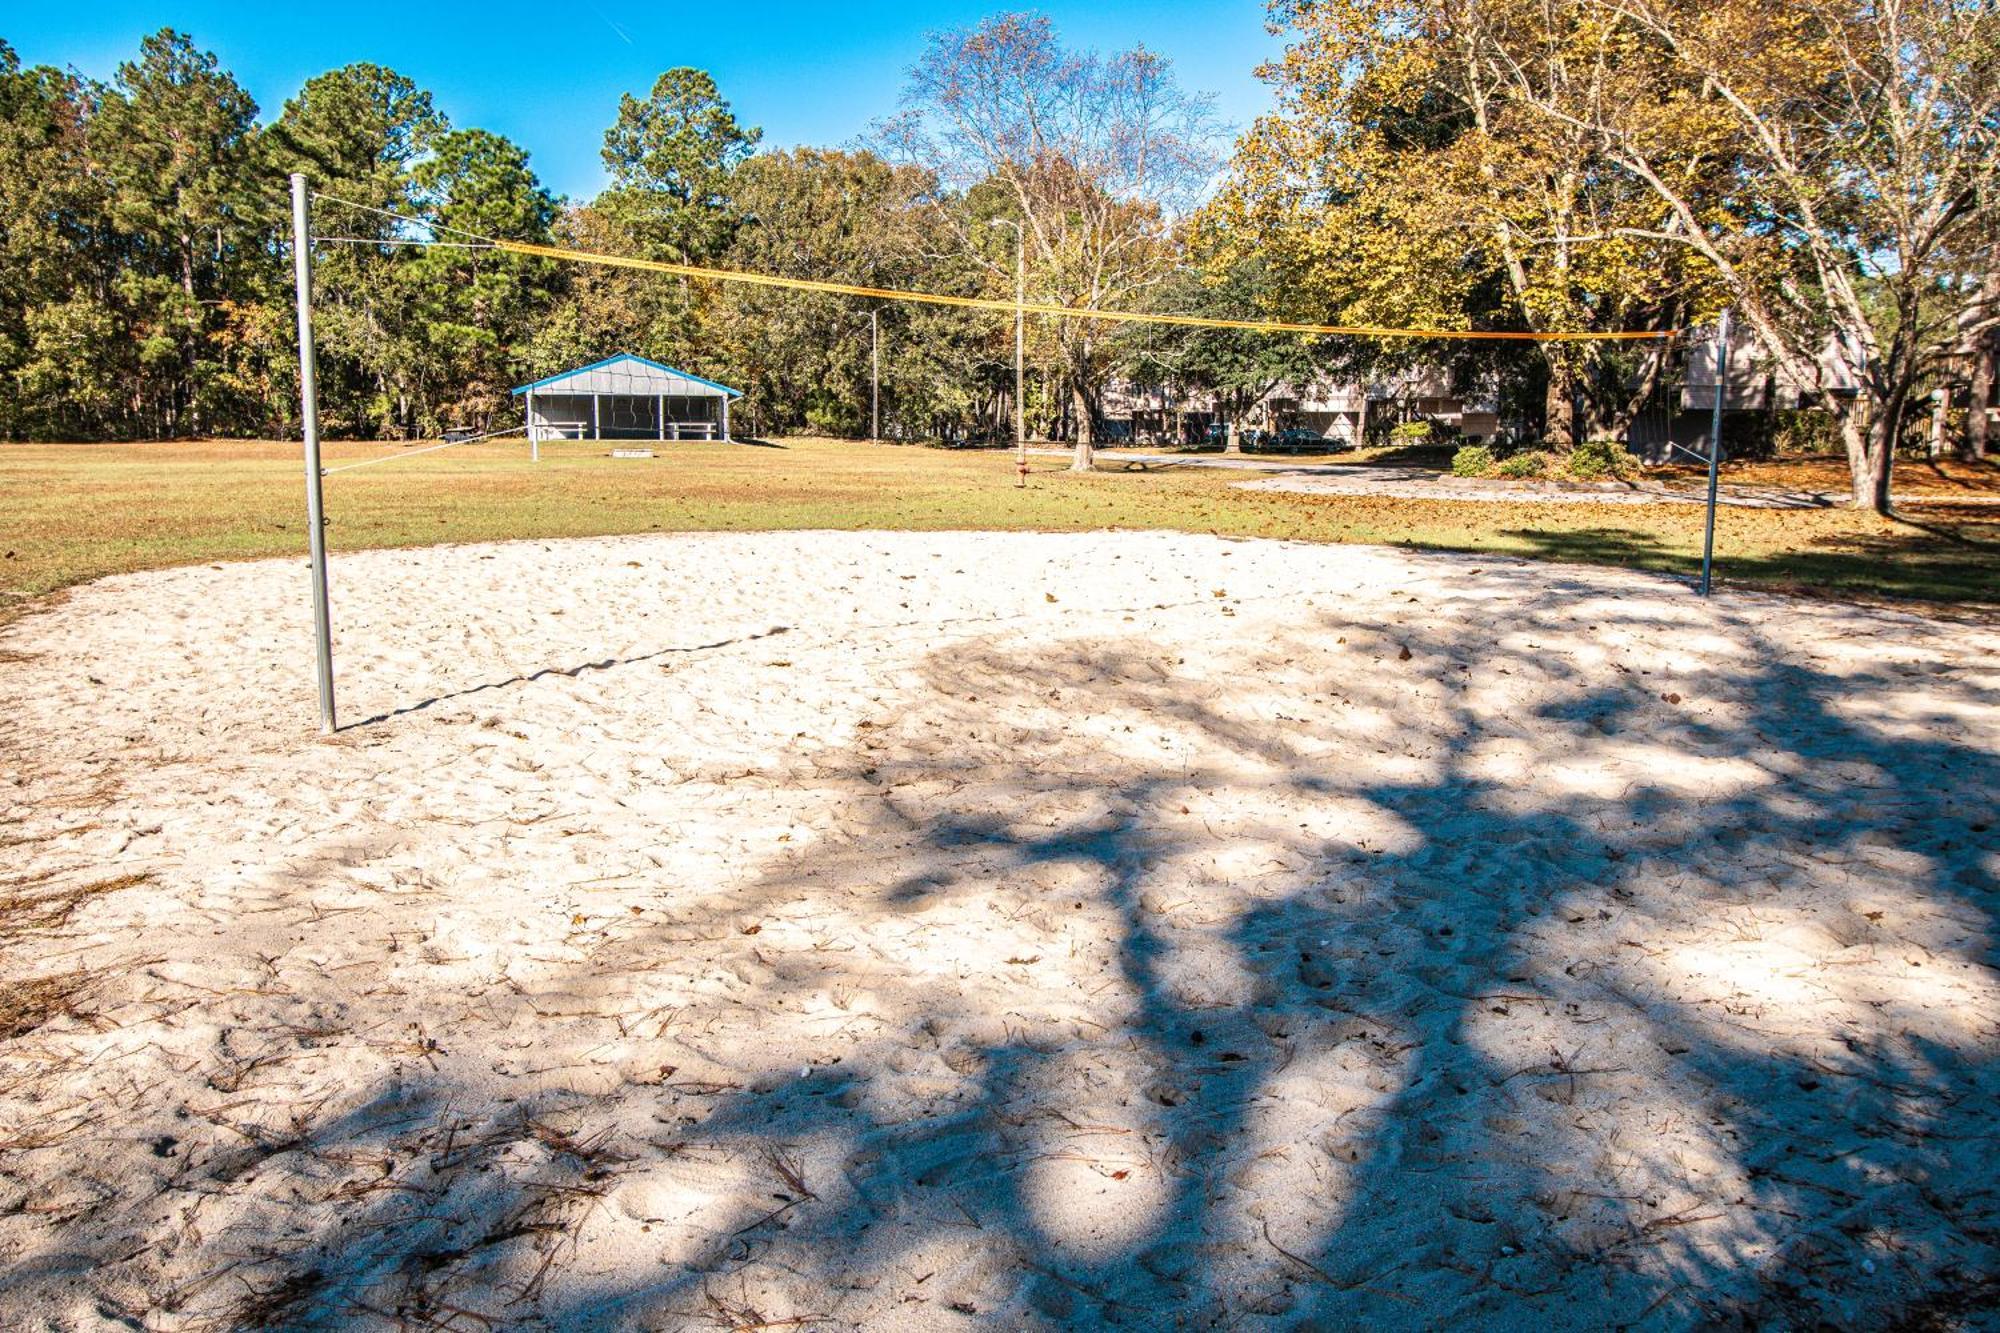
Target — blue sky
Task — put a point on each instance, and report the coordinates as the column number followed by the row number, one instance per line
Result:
column 549, row 75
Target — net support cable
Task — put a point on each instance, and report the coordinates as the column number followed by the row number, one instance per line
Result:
column 412, row 453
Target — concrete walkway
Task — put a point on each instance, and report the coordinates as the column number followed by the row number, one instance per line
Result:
column 1424, row 484
column 1417, row 483
column 1421, row 483
column 1146, row 462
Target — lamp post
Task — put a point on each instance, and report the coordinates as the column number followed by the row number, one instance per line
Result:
column 875, row 376
column 1020, row 320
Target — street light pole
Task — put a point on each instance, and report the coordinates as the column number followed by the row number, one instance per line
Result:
column 875, row 376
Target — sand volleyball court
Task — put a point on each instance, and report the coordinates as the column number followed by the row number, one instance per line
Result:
column 934, row 931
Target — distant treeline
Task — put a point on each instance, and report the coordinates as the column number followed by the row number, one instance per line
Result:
column 146, row 289
column 1832, row 174
column 145, row 280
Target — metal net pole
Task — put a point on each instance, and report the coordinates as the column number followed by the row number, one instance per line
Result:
column 1715, row 450
column 1020, row 342
column 309, row 415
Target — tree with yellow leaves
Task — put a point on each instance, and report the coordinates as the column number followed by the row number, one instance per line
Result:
column 1855, row 215
column 1405, row 181
column 1828, row 168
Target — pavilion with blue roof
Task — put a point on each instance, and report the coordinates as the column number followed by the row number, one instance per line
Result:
column 626, row 397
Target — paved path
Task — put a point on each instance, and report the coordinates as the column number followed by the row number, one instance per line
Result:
column 1239, row 462
column 1424, row 484
column 1419, row 483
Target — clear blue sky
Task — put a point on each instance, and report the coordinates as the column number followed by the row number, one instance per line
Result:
column 549, row 75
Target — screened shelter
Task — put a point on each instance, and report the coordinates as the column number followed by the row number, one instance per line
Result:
column 626, row 397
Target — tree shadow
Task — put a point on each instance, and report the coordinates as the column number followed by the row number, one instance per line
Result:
column 1913, row 563
column 1462, row 1181
column 1969, row 522
column 1418, row 975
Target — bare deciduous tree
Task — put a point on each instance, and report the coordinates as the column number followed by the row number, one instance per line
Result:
column 1098, row 158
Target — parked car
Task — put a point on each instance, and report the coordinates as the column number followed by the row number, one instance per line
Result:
column 1247, row 437
column 1304, row 439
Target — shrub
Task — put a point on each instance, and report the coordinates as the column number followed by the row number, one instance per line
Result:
column 1594, row 460
column 1808, row 430
column 1804, row 431
column 1410, row 432
column 1474, row 460
column 1530, row 464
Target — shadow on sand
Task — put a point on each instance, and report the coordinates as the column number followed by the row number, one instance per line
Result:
column 1470, row 1071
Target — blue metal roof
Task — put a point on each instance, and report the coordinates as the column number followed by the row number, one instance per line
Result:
column 614, row 360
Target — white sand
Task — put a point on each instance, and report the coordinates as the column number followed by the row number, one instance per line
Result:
column 927, row 931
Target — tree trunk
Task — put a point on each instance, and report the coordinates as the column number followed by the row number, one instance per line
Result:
column 1977, row 424
column 1870, row 438
column 1232, row 437
column 1559, row 408
column 1082, row 406
column 1085, row 457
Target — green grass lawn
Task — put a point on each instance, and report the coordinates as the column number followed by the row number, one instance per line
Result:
column 69, row 513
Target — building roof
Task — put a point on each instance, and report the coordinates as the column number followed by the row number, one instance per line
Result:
column 626, row 373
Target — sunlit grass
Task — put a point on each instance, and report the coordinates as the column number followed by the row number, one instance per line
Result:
column 70, row 513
